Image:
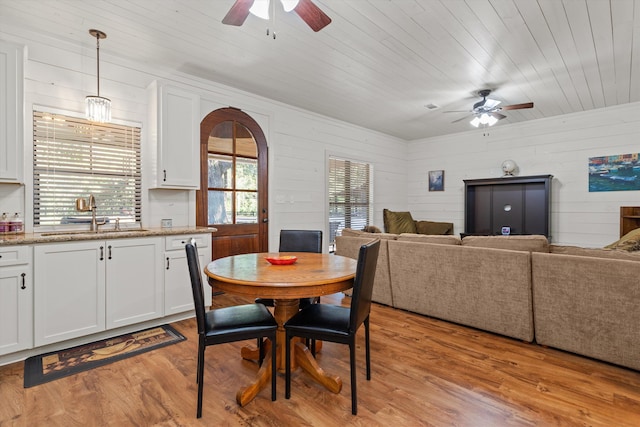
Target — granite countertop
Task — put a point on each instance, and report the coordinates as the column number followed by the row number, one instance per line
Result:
column 101, row 234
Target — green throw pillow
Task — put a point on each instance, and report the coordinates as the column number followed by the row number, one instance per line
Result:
column 398, row 222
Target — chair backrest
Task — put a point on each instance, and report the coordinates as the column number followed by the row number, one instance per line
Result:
column 363, row 284
column 196, row 284
column 301, row 241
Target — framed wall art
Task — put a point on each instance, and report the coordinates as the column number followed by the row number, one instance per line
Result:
column 436, row 180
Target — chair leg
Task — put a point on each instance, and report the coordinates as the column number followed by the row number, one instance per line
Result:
column 200, row 377
column 287, row 364
column 260, row 351
column 352, row 362
column 367, row 347
column 274, row 372
column 200, row 357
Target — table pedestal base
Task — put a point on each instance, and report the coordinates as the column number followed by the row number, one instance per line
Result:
column 301, row 357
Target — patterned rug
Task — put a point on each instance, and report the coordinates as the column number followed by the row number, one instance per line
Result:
column 59, row 364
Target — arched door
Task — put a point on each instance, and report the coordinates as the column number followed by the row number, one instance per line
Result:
column 233, row 184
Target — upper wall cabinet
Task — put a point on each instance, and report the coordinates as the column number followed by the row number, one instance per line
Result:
column 174, row 137
column 11, row 112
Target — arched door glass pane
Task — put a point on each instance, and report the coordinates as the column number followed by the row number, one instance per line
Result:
column 232, row 175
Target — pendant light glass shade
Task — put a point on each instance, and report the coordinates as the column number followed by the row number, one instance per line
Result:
column 98, row 108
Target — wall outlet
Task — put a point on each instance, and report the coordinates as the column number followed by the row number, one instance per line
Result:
column 166, row 223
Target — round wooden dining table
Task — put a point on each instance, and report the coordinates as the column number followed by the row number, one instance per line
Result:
column 311, row 275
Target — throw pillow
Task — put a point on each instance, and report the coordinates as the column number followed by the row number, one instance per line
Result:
column 629, row 242
column 372, row 229
column 398, row 222
column 433, row 227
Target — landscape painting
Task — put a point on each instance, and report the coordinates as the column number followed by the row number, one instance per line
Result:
column 614, row 173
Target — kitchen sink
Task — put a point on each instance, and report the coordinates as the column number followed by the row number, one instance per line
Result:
column 82, row 232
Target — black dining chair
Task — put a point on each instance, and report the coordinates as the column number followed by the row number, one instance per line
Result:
column 228, row 324
column 339, row 324
column 298, row 241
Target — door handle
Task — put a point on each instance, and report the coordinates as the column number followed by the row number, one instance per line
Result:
column 265, row 220
column 24, row 286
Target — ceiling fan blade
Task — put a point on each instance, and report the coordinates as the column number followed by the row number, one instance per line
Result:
column 461, row 119
column 312, row 15
column 518, row 106
column 238, row 13
column 498, row 115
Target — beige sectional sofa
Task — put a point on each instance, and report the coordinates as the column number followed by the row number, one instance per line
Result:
column 585, row 301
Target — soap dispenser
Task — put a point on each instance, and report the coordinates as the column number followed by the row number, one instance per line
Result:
column 16, row 225
column 4, row 223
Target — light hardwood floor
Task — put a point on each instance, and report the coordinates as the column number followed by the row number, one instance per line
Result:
column 425, row 372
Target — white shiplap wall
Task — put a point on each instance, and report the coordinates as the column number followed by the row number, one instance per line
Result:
column 558, row 145
column 60, row 75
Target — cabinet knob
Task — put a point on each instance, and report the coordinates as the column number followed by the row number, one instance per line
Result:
column 101, row 253
column 24, row 286
column 109, row 247
column 164, row 172
column 167, row 263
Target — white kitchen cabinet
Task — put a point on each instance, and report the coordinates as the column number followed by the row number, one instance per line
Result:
column 16, row 299
column 69, row 298
column 178, row 296
column 134, row 280
column 11, row 112
column 86, row 287
column 174, row 137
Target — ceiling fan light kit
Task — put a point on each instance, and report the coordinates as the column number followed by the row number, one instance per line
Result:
column 311, row 14
column 486, row 111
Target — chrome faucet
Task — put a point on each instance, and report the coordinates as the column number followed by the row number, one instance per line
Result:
column 83, row 206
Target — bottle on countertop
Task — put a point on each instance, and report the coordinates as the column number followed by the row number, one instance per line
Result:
column 4, row 223
column 16, row 225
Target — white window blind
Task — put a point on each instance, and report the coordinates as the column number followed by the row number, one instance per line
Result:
column 73, row 157
column 349, row 195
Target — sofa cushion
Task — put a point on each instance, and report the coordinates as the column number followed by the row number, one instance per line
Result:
column 594, row 252
column 533, row 243
column 427, row 238
column 433, row 227
column 398, row 222
column 629, row 242
column 350, row 232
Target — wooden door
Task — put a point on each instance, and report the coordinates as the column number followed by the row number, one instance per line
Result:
column 233, row 185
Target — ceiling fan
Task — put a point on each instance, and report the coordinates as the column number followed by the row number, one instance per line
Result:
column 486, row 111
column 306, row 9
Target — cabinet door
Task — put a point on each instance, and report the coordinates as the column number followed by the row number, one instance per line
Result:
column 11, row 100
column 178, row 139
column 134, row 280
column 69, row 291
column 177, row 284
column 16, row 303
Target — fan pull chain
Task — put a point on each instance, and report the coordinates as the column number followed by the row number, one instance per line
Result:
column 273, row 17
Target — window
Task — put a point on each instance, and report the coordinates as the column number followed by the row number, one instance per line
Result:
column 349, row 195
column 233, row 175
column 73, row 158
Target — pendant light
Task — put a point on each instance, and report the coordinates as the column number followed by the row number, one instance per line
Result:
column 98, row 107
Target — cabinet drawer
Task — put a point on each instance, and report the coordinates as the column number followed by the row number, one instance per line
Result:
column 14, row 255
column 178, row 242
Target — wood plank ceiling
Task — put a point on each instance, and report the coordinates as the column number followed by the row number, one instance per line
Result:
column 380, row 62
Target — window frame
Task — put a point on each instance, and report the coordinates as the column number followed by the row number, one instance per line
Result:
column 30, row 217
column 329, row 157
